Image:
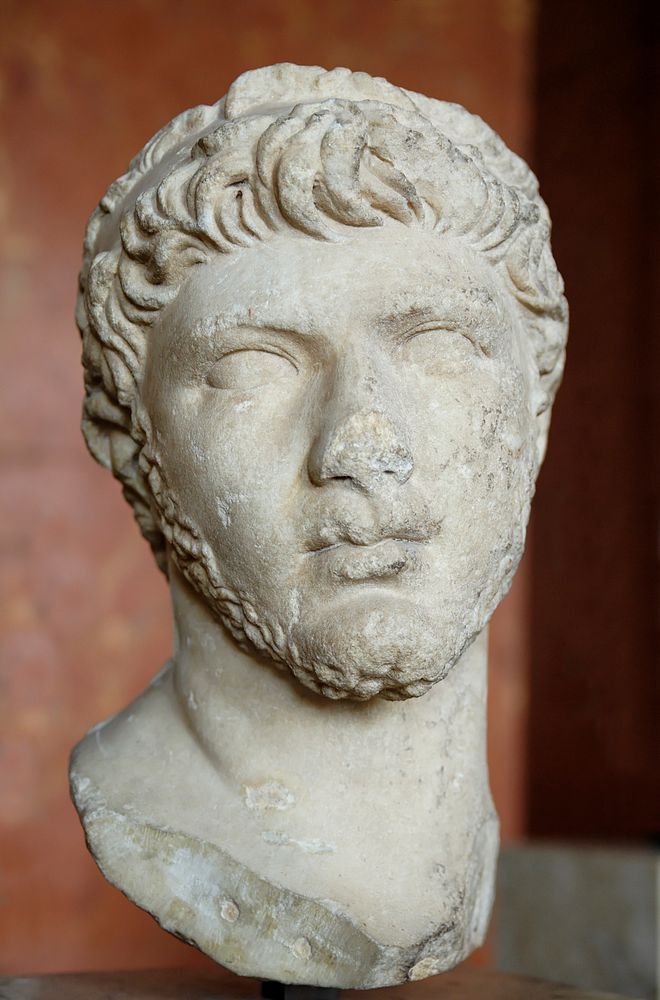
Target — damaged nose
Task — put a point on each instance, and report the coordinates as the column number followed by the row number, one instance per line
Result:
column 364, row 448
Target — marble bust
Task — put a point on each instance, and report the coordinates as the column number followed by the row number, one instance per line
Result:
column 322, row 332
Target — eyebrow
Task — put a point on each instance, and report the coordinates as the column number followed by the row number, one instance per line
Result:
column 208, row 326
column 451, row 308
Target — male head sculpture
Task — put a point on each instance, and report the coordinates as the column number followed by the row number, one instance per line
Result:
column 322, row 331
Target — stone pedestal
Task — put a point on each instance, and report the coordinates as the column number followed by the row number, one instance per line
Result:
column 167, row 984
column 585, row 915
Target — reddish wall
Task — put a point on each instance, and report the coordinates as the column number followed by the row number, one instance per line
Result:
column 84, row 618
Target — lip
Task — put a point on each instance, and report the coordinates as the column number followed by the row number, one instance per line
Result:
column 379, row 560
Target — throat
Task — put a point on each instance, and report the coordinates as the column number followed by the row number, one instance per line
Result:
column 286, row 753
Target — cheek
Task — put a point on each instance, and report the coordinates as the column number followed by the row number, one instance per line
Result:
column 231, row 459
column 476, row 429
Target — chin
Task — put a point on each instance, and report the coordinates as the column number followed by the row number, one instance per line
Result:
column 371, row 649
column 375, row 642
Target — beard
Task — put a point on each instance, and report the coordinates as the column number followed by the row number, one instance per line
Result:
column 357, row 652
column 361, row 654
column 337, row 659
column 365, row 651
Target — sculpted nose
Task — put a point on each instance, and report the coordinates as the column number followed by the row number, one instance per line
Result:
column 364, row 447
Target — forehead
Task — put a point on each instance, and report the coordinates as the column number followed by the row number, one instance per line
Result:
column 373, row 275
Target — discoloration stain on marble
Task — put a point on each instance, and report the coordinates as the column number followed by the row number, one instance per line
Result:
column 308, row 846
column 269, row 795
column 229, row 911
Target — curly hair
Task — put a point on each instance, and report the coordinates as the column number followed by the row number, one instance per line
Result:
column 315, row 151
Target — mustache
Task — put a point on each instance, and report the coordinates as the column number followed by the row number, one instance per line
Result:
column 360, row 520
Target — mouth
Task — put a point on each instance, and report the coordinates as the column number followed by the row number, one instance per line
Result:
column 377, row 561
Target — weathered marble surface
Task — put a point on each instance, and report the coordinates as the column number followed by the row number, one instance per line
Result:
column 322, row 332
column 468, row 984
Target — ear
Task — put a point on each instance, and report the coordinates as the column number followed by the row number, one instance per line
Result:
column 543, row 427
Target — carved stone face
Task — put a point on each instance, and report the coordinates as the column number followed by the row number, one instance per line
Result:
column 348, row 427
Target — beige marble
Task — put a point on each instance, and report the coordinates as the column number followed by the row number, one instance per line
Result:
column 322, row 331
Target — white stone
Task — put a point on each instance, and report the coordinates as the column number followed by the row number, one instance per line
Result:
column 322, row 331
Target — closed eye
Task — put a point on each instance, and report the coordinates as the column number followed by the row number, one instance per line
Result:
column 249, row 368
column 439, row 350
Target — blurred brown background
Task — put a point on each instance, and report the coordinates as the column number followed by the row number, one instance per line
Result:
column 84, row 618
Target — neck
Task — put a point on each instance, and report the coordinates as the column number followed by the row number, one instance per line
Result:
column 252, row 718
column 377, row 813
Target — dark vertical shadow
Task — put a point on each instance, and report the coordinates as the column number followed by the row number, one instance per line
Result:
column 594, row 712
